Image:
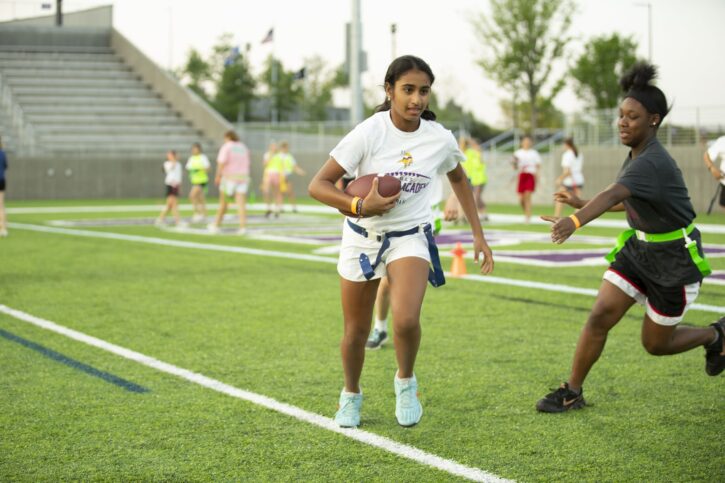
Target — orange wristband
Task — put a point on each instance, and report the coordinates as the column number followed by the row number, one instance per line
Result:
column 353, row 205
column 577, row 223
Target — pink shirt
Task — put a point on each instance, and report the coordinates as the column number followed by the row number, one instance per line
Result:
column 233, row 159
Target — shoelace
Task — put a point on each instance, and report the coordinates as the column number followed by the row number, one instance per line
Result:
column 408, row 396
column 348, row 407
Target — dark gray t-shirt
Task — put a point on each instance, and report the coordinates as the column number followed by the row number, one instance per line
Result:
column 659, row 202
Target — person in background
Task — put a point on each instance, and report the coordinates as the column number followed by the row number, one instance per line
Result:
column 290, row 167
column 714, row 153
column 172, row 169
column 232, row 177
column 527, row 161
column 475, row 170
column 198, row 167
column 266, row 182
column 3, row 169
column 571, row 178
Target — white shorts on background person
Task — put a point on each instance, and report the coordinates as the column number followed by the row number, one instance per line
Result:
column 353, row 244
column 230, row 187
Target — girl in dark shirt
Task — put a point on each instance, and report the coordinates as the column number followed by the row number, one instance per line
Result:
column 657, row 262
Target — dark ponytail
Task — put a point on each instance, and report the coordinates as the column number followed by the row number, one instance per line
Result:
column 397, row 68
column 570, row 142
column 637, row 84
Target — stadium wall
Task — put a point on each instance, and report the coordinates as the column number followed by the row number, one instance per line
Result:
column 53, row 177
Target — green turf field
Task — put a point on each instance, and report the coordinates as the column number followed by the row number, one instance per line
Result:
column 271, row 325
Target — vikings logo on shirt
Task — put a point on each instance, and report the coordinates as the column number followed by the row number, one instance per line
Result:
column 407, row 159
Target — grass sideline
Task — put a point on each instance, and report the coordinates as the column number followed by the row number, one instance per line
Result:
column 273, row 326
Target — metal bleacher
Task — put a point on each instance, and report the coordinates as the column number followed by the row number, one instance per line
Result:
column 77, row 96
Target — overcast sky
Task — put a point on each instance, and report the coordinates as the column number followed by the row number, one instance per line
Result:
column 688, row 38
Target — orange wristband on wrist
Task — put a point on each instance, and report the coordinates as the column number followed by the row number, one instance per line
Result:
column 577, row 223
column 353, row 205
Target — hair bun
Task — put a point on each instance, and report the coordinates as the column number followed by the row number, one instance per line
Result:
column 638, row 76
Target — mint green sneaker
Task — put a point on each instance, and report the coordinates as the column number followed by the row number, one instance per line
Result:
column 348, row 412
column 408, row 410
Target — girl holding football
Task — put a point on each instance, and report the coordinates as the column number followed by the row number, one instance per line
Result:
column 392, row 235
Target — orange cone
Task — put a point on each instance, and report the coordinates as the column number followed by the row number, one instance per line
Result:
column 458, row 267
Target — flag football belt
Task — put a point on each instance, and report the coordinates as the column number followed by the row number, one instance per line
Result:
column 435, row 272
column 680, row 234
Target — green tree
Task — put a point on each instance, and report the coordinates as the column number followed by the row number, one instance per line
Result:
column 454, row 116
column 195, row 73
column 235, row 90
column 283, row 89
column 547, row 115
column 316, row 86
column 523, row 40
column 597, row 71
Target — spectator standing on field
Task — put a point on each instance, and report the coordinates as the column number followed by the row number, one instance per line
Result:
column 571, row 178
column 527, row 161
column 198, row 167
column 232, row 177
column 172, row 181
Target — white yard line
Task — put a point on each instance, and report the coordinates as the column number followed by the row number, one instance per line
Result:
column 498, row 218
column 371, row 439
column 311, row 258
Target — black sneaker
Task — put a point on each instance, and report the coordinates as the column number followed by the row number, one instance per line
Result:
column 715, row 352
column 561, row 400
column 376, row 339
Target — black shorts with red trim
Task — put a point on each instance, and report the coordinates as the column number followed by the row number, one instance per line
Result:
column 172, row 190
column 665, row 305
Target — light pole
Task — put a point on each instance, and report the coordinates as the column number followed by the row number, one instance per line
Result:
column 649, row 26
column 393, row 46
column 356, row 101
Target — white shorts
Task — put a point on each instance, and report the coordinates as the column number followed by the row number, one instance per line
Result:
column 353, row 244
column 230, row 187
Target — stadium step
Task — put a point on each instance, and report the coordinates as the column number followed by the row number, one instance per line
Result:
column 73, row 108
column 72, row 118
column 57, row 130
column 95, row 101
column 51, row 74
column 99, row 92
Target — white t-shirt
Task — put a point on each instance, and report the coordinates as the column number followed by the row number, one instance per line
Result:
column 173, row 173
column 717, row 150
column 528, row 160
column 574, row 163
column 415, row 158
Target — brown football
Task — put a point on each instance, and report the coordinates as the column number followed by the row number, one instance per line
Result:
column 387, row 186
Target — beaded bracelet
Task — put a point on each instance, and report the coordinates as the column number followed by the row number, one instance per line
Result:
column 353, row 205
column 358, row 208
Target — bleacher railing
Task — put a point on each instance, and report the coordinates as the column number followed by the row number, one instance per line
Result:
column 21, row 130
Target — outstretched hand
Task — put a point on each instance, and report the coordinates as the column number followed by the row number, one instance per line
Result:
column 568, row 198
column 374, row 204
column 561, row 229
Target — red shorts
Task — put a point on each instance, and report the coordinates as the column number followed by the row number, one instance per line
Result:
column 527, row 182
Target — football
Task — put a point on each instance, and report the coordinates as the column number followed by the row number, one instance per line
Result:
column 387, row 186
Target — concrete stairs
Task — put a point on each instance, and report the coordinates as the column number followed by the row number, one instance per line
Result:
column 79, row 97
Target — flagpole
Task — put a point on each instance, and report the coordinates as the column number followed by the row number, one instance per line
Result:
column 275, row 74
